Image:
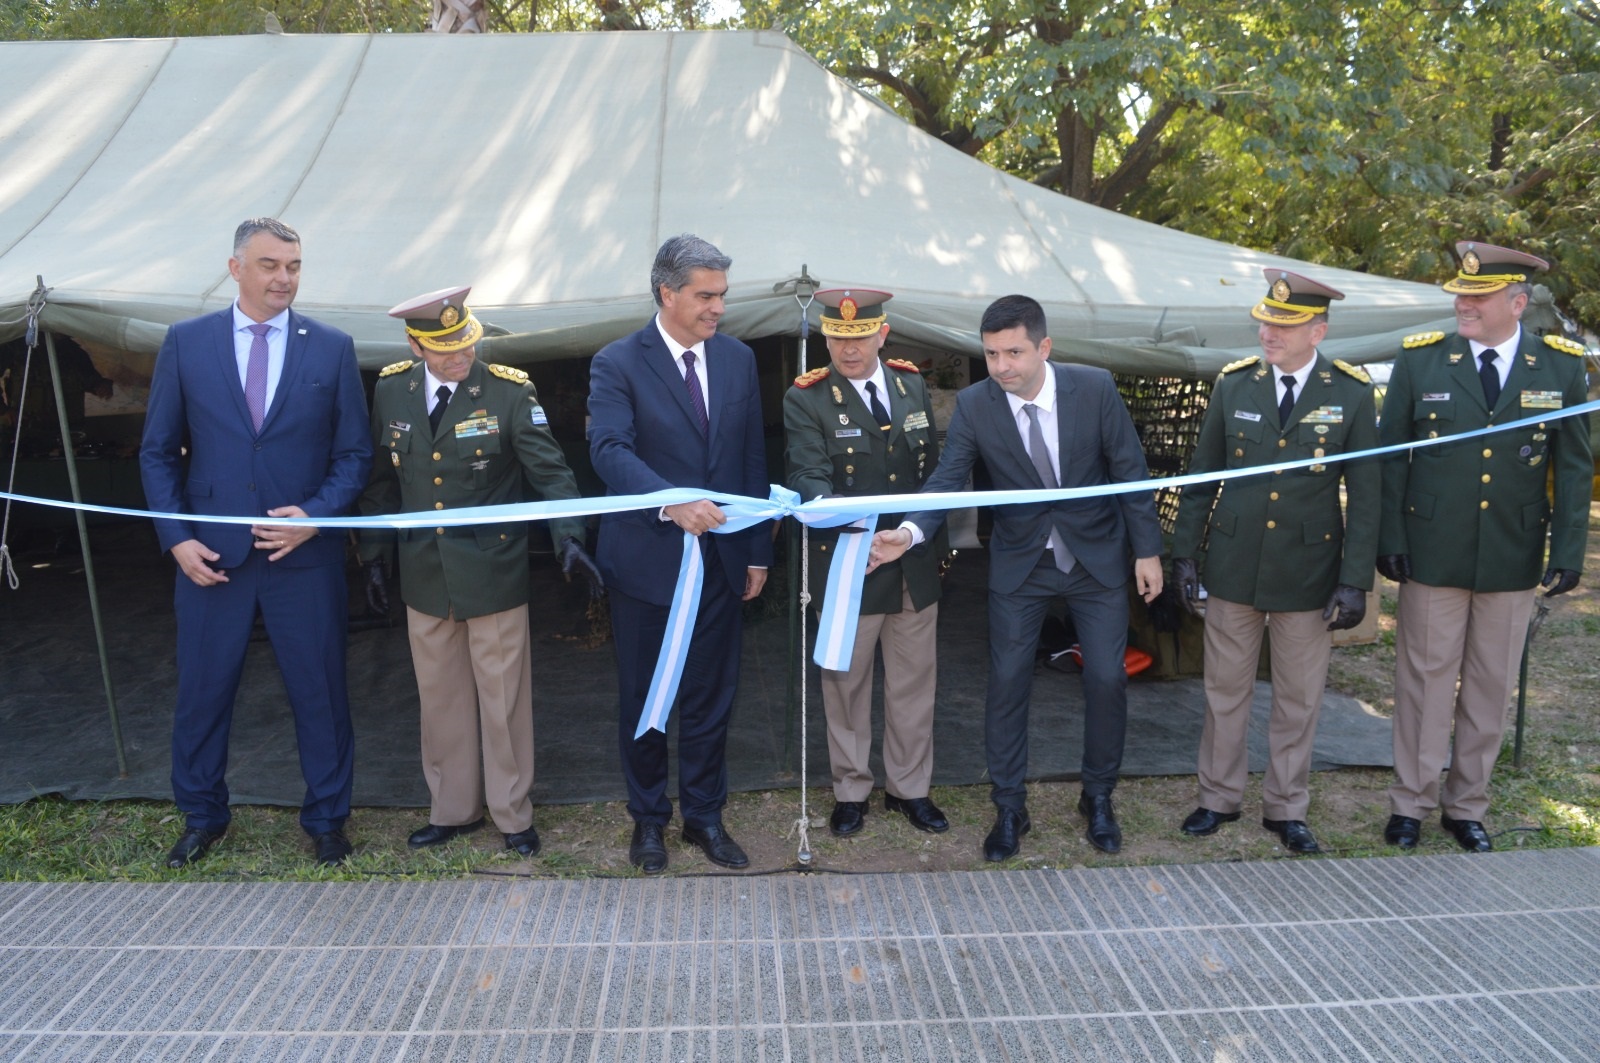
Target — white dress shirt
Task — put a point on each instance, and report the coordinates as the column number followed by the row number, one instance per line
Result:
column 676, row 350
column 1504, row 353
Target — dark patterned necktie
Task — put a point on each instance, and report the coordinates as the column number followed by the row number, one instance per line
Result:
column 697, row 398
column 1286, row 404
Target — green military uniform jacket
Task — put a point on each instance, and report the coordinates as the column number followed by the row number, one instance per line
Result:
column 836, row 447
column 1278, row 541
column 493, row 438
column 1475, row 514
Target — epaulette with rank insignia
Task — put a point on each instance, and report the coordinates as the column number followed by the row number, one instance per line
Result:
column 902, row 365
column 1421, row 339
column 505, row 372
column 1243, row 363
column 806, row 379
column 1359, row 374
column 1564, row 345
column 396, row 367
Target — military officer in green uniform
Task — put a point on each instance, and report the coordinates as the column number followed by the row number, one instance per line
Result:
column 863, row 425
column 1466, row 526
column 452, row 432
column 1280, row 552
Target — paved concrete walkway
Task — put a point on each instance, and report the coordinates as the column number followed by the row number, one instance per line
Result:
column 1409, row 958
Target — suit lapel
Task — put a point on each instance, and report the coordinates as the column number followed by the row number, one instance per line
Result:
column 294, row 355
column 462, row 402
column 1525, row 364
column 1066, row 420
column 227, row 363
column 1464, row 373
column 664, row 365
column 1004, row 427
column 1310, row 373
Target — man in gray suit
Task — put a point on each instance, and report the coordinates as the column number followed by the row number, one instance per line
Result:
column 1040, row 425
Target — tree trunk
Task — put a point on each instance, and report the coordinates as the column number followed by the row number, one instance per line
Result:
column 458, row 16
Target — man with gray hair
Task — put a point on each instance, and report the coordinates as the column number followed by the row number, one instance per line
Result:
column 676, row 404
column 256, row 410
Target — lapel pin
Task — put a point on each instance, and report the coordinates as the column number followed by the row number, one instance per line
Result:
column 300, row 332
column 844, row 418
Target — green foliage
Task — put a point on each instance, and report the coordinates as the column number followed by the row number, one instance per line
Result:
column 1364, row 134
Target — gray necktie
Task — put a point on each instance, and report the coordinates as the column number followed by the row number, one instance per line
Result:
column 1047, row 475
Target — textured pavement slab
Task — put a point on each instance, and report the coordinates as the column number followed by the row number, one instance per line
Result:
column 1452, row 958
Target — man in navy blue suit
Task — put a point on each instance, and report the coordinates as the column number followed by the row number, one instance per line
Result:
column 677, row 405
column 257, row 411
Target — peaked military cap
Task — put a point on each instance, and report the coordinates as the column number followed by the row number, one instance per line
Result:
column 1486, row 268
column 1292, row 299
column 441, row 321
column 852, row 311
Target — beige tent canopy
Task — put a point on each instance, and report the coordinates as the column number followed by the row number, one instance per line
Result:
column 544, row 170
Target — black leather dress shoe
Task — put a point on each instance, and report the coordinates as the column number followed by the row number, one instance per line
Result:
column 848, row 818
column 1203, row 821
column 433, row 834
column 525, row 842
column 1295, row 835
column 717, row 844
column 1104, row 833
column 921, row 811
column 192, row 845
column 332, row 848
column 1005, row 840
column 1402, row 831
column 1469, row 833
column 648, row 850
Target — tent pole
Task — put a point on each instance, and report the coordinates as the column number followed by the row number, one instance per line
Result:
column 88, row 560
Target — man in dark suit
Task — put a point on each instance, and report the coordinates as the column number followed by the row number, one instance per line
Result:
column 1036, row 425
column 1465, row 529
column 257, row 411
column 1280, row 553
column 676, row 404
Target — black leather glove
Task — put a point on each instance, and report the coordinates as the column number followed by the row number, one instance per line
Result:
column 1395, row 567
column 574, row 556
column 1559, row 580
column 1186, row 577
column 377, row 588
column 1351, row 605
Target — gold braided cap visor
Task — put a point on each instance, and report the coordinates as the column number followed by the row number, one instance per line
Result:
column 462, row 335
column 1481, row 283
column 861, row 326
column 1276, row 312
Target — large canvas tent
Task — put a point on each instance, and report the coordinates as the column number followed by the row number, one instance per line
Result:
column 544, row 170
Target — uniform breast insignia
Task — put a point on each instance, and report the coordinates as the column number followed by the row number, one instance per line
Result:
column 1564, row 345
column 1421, row 339
column 505, row 372
column 1243, row 363
column 480, row 424
column 1324, row 415
column 1358, row 373
column 806, row 379
column 538, row 415
column 474, row 391
column 916, row 420
column 399, row 426
column 1246, row 415
column 1455, row 357
column 901, row 385
column 838, row 396
column 395, row 367
column 1541, row 400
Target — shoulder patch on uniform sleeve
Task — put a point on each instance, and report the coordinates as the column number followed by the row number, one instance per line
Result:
column 903, row 365
column 807, row 379
column 1243, row 363
column 1359, row 374
column 1421, row 339
column 396, row 367
column 1564, row 345
column 505, row 372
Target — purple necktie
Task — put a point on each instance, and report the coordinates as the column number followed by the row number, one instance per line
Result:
column 697, row 398
column 255, row 376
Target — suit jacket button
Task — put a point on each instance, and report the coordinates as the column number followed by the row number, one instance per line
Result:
column 891, row 477
column 849, row 468
column 438, row 531
column 438, row 481
column 1238, row 452
column 1272, row 524
column 477, row 453
column 1433, row 417
column 1327, row 537
column 1273, row 496
column 258, row 446
column 438, row 505
column 436, row 455
column 1484, row 504
column 502, row 536
column 1485, row 477
column 1283, row 442
column 1488, row 453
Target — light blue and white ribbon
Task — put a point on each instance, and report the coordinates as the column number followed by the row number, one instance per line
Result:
column 848, row 569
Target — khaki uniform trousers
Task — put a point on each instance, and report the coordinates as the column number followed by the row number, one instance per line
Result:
column 1301, row 646
column 475, row 682
column 910, row 670
column 1443, row 633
